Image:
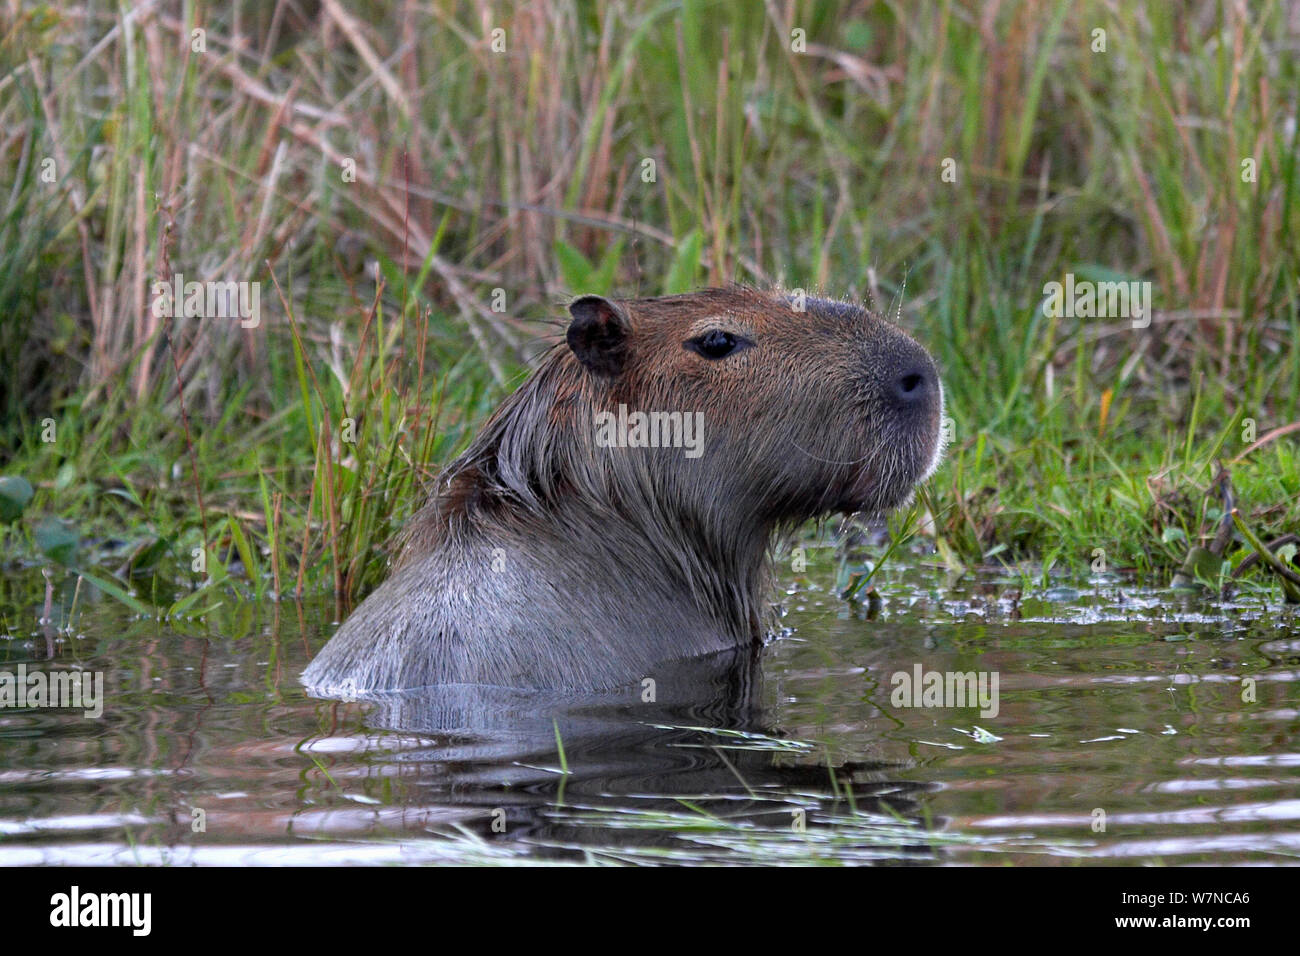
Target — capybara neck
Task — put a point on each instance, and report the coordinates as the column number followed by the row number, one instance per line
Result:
column 615, row 512
column 649, row 517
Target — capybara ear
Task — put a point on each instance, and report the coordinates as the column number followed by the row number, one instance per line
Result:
column 598, row 335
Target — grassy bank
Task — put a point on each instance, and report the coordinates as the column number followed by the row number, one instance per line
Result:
column 414, row 194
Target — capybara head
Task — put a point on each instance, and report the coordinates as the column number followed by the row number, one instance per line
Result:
column 765, row 410
column 807, row 406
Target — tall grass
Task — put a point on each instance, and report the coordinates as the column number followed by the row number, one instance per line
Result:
column 413, row 199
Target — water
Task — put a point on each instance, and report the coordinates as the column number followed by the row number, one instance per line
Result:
column 1127, row 731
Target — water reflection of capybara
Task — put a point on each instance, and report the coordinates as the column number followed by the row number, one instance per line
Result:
column 488, row 759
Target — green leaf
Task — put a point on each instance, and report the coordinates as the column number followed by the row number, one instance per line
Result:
column 1200, row 566
column 686, row 264
column 574, row 268
column 1171, row 533
column 115, row 591
column 603, row 280
column 57, row 541
column 65, row 477
column 184, row 604
column 147, row 554
column 15, row 493
column 582, row 276
column 242, row 548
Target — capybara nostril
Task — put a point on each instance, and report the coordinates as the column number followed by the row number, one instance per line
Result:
column 912, row 387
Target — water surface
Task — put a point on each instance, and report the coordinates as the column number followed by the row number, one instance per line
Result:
column 1132, row 726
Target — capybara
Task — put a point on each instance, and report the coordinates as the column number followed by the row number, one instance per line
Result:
column 616, row 511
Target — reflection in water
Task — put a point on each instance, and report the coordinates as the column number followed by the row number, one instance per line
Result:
column 691, row 735
column 1129, row 729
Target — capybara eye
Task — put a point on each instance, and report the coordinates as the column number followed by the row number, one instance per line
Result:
column 715, row 344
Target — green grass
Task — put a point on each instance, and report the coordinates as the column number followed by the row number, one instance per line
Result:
column 510, row 179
